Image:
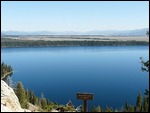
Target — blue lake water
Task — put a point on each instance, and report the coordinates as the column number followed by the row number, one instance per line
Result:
column 112, row 74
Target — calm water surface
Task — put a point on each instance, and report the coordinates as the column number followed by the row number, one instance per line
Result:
column 112, row 74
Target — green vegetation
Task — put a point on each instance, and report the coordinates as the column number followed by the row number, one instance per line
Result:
column 25, row 96
column 97, row 109
column 7, row 42
column 142, row 105
column 5, row 70
column 44, row 105
column 139, row 102
column 20, row 92
column 145, row 65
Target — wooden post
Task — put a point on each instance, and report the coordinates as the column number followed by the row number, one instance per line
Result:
column 85, row 97
column 85, row 106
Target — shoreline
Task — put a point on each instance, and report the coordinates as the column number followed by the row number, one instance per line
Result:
column 59, row 41
column 8, row 73
column 69, row 46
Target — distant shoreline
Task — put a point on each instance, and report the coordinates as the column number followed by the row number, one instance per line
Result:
column 45, row 41
column 64, row 46
column 76, row 37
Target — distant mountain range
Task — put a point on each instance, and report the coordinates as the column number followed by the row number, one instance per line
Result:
column 136, row 32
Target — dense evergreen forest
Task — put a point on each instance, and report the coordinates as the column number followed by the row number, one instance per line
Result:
column 44, row 104
column 7, row 42
column 5, row 69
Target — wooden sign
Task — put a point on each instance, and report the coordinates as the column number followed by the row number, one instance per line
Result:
column 85, row 96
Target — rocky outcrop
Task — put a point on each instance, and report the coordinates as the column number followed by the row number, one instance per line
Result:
column 9, row 100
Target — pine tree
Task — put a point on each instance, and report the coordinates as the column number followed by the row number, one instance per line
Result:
column 139, row 102
column 145, row 67
column 30, row 96
column 116, row 110
column 27, row 94
column 145, row 105
column 94, row 109
column 35, row 99
column 107, row 109
column 131, row 109
column 43, row 101
column 127, row 106
column 48, row 102
column 98, row 109
column 20, row 92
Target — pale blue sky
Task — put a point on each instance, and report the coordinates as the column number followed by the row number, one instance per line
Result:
column 74, row 16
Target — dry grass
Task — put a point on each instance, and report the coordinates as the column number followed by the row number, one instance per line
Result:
column 84, row 38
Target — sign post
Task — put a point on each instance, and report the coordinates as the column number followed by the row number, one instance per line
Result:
column 85, row 97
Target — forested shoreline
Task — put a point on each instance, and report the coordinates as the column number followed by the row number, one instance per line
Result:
column 8, row 42
column 5, row 70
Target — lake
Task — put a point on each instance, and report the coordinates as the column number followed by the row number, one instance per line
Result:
column 112, row 73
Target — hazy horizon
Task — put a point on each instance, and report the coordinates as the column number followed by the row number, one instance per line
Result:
column 74, row 31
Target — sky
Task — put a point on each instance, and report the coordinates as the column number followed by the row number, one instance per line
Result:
column 74, row 15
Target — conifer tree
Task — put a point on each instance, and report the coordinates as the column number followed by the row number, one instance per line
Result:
column 35, row 99
column 127, row 106
column 94, row 109
column 30, row 96
column 43, row 101
column 145, row 67
column 131, row 109
column 139, row 101
column 98, row 109
column 20, row 92
column 145, row 105
column 27, row 94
